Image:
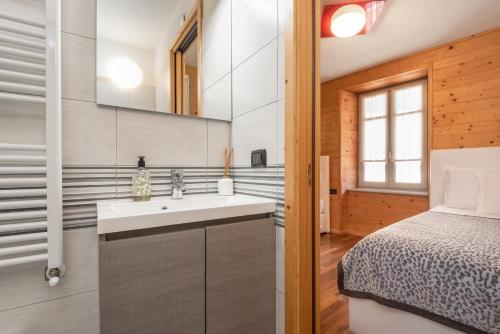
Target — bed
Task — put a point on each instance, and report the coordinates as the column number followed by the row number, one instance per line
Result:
column 436, row 272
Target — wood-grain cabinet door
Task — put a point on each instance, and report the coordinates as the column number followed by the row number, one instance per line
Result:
column 241, row 278
column 153, row 284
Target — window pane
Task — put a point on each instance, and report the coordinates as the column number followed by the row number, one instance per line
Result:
column 374, row 139
column 408, row 99
column 408, row 136
column 374, row 171
column 375, row 106
column 408, row 171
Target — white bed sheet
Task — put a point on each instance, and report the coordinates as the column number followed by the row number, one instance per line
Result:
column 462, row 212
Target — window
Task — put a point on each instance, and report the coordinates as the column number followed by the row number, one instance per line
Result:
column 393, row 134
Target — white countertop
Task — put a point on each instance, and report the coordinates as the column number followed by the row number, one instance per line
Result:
column 127, row 215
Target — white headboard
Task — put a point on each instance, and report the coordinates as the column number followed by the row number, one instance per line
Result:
column 483, row 157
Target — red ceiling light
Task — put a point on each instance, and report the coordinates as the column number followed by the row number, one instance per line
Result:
column 350, row 18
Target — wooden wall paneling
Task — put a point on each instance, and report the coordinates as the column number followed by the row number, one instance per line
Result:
column 366, row 212
column 489, row 62
column 349, row 143
column 467, row 140
column 468, row 49
column 330, row 145
column 463, row 110
column 456, row 52
column 468, row 112
column 467, row 93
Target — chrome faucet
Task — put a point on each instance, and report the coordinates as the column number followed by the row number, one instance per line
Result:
column 177, row 183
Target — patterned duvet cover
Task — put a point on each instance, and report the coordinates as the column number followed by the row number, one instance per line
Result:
column 441, row 266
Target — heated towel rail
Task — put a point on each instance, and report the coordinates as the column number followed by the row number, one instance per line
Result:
column 31, row 228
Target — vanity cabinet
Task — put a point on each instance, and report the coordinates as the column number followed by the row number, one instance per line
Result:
column 214, row 278
column 241, row 278
column 153, row 284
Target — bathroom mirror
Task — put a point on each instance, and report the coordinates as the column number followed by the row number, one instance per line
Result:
column 150, row 55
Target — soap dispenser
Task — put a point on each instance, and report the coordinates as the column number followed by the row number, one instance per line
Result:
column 141, row 182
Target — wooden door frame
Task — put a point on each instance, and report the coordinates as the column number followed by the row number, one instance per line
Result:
column 195, row 17
column 302, row 151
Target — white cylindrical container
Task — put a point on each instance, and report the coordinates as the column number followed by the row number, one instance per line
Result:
column 225, row 186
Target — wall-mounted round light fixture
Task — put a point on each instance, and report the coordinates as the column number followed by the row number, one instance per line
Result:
column 348, row 20
column 125, row 73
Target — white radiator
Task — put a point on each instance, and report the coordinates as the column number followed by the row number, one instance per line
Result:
column 31, row 227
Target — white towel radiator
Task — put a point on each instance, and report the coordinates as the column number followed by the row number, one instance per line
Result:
column 31, row 219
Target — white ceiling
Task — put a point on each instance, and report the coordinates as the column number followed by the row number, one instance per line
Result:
column 405, row 27
column 136, row 22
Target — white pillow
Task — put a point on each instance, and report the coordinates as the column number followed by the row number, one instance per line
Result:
column 461, row 188
column 489, row 197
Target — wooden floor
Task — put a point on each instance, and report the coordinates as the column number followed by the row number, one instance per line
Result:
column 333, row 306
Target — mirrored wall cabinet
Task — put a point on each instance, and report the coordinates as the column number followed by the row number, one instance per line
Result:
column 148, row 60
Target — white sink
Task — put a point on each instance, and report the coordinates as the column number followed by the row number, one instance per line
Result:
column 128, row 215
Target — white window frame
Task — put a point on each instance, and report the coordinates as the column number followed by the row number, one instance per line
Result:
column 390, row 175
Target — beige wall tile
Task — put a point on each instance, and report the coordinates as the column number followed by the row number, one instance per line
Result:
column 217, row 100
column 219, row 137
column 24, row 284
column 164, row 139
column 79, row 17
column 254, row 131
column 255, row 81
column 254, row 24
column 77, row 314
column 78, row 67
column 89, row 133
